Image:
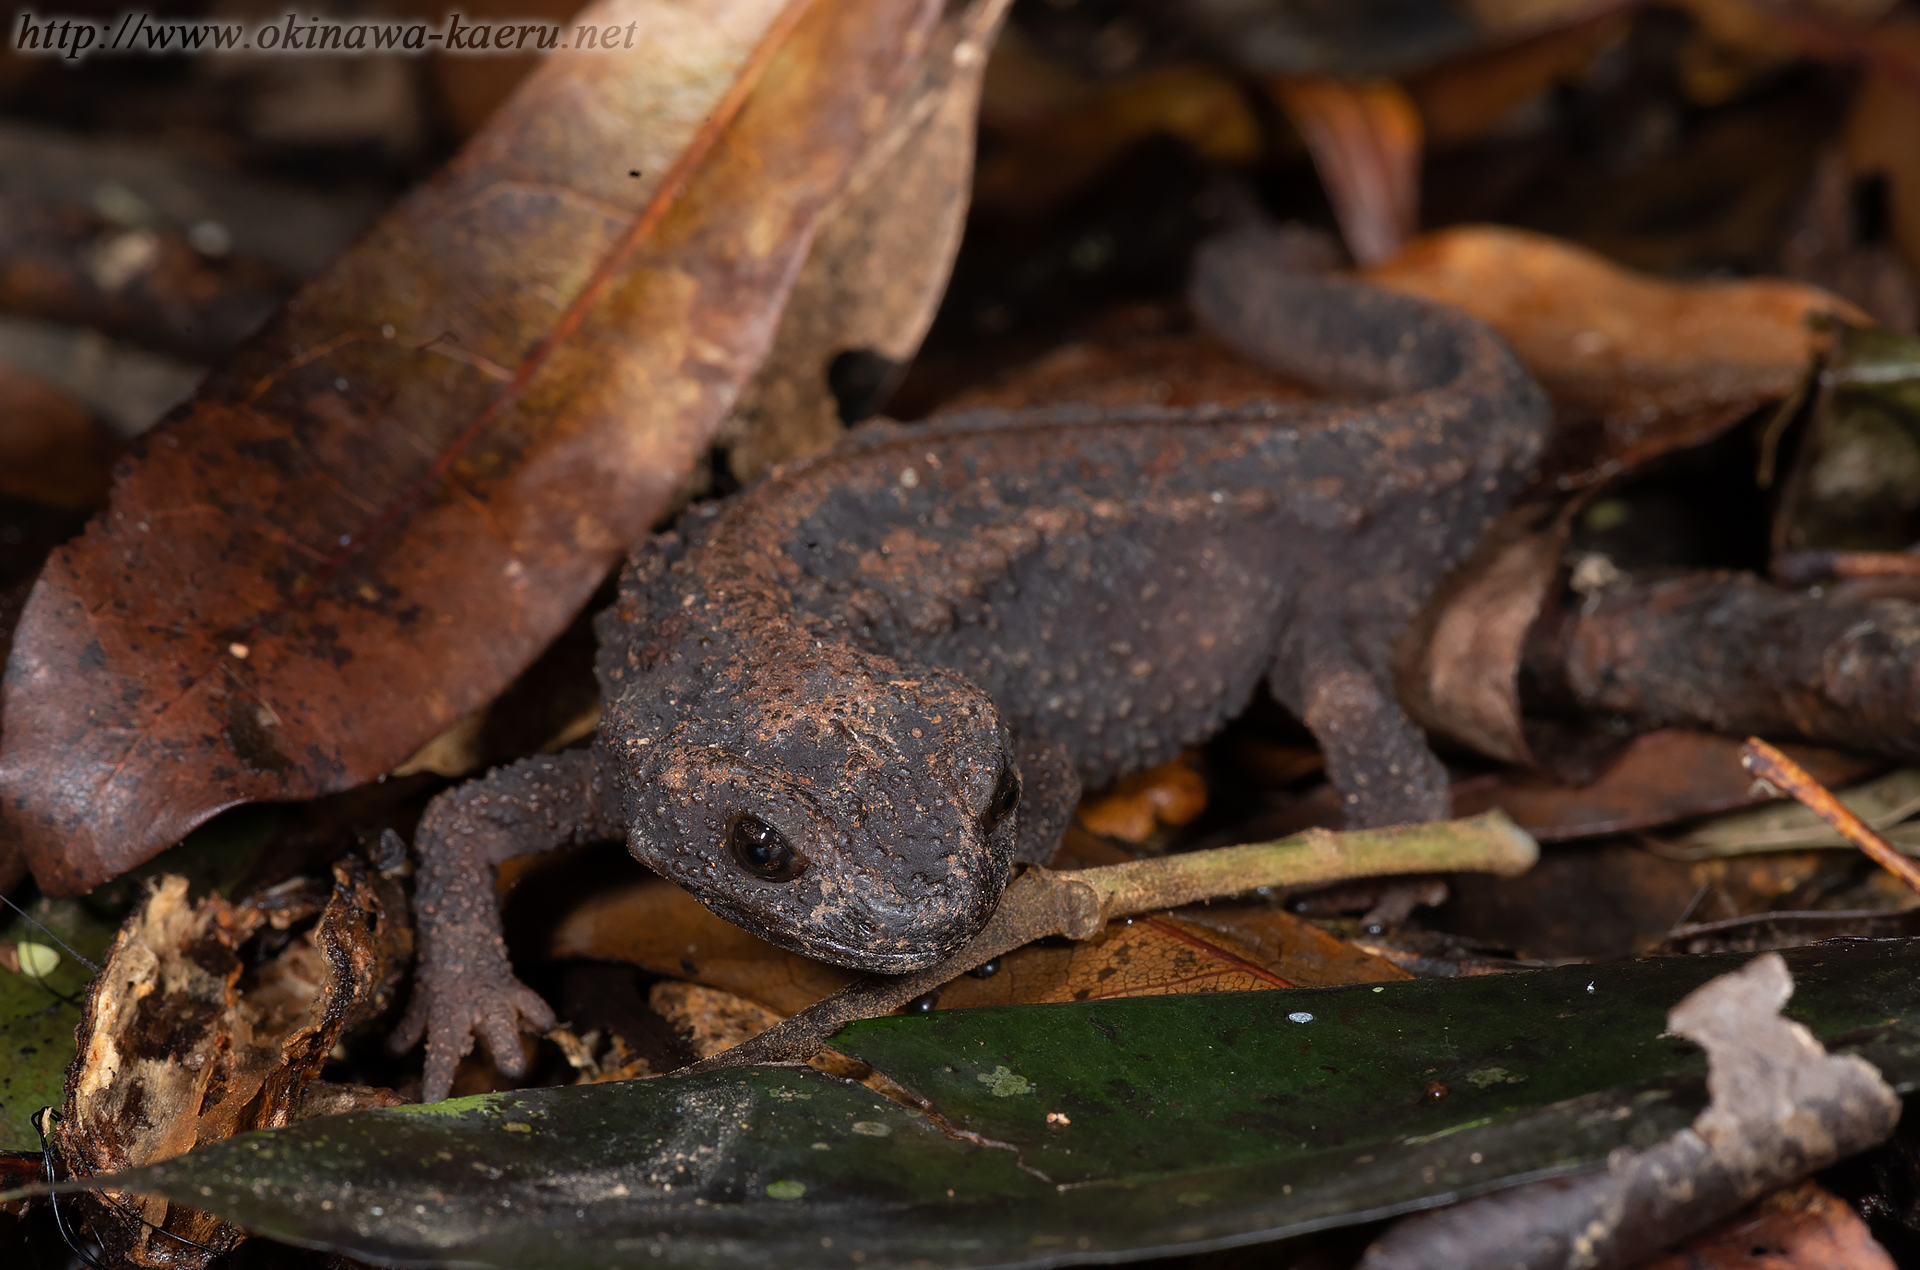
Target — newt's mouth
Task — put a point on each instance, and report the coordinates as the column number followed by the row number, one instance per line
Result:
column 888, row 941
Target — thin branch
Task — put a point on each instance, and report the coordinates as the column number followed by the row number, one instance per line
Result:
column 1778, row 770
column 1079, row 904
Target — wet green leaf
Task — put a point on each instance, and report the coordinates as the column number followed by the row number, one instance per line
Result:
column 38, row 1013
column 1065, row 1132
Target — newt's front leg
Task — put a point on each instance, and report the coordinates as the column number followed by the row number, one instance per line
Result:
column 463, row 986
column 1376, row 758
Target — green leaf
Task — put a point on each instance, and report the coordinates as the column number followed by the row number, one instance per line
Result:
column 38, row 1012
column 1070, row 1132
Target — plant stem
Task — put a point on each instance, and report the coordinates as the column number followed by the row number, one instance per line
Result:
column 1079, row 904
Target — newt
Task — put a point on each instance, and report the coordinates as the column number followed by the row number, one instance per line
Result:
column 840, row 705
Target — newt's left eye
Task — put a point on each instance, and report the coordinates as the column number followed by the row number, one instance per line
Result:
column 763, row 850
column 1006, row 796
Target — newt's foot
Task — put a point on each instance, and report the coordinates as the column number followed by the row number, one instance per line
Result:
column 477, row 996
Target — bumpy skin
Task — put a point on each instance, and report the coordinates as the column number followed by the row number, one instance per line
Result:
column 854, row 650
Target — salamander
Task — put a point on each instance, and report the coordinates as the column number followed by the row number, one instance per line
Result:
column 840, row 705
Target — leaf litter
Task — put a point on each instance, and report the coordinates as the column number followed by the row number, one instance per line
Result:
column 1019, row 1157
column 1646, row 375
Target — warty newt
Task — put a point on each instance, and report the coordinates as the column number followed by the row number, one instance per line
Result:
column 841, row 704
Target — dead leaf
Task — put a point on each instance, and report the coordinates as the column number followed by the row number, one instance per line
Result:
column 51, row 450
column 1459, row 659
column 1292, row 947
column 512, row 371
column 173, row 1056
column 1053, row 139
column 1172, row 794
column 878, row 266
column 1365, row 139
column 1781, row 1108
column 1465, row 98
column 1196, row 949
column 1147, row 956
column 1657, row 778
column 1636, row 366
column 1804, row 1227
column 1836, row 244
column 1880, row 127
column 652, row 923
column 711, row 1020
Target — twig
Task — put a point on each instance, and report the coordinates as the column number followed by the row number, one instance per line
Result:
column 1778, row 770
column 1804, row 568
column 1078, row 904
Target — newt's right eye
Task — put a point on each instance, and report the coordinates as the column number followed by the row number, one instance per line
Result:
column 763, row 850
column 1006, row 796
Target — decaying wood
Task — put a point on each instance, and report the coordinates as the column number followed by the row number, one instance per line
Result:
column 173, row 1057
column 1730, row 653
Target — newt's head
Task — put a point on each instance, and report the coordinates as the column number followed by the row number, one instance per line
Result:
column 837, row 804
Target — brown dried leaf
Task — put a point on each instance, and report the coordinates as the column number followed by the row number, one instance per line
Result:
column 1144, row 957
column 1196, row 949
column 1052, row 139
column 1880, row 128
column 51, row 450
column 879, row 263
column 1465, row 98
column 710, row 1019
column 1460, row 657
column 1636, row 366
column 1365, row 140
column 1804, row 1227
column 172, row 1056
column 1292, row 947
column 54, row 463
column 388, row 501
column 654, row 924
column 1172, row 794
column 1658, row 778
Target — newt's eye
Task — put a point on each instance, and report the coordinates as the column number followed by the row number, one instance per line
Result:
column 1006, row 796
column 763, row 850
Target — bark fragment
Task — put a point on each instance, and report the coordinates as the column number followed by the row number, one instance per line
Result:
column 1781, row 1108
